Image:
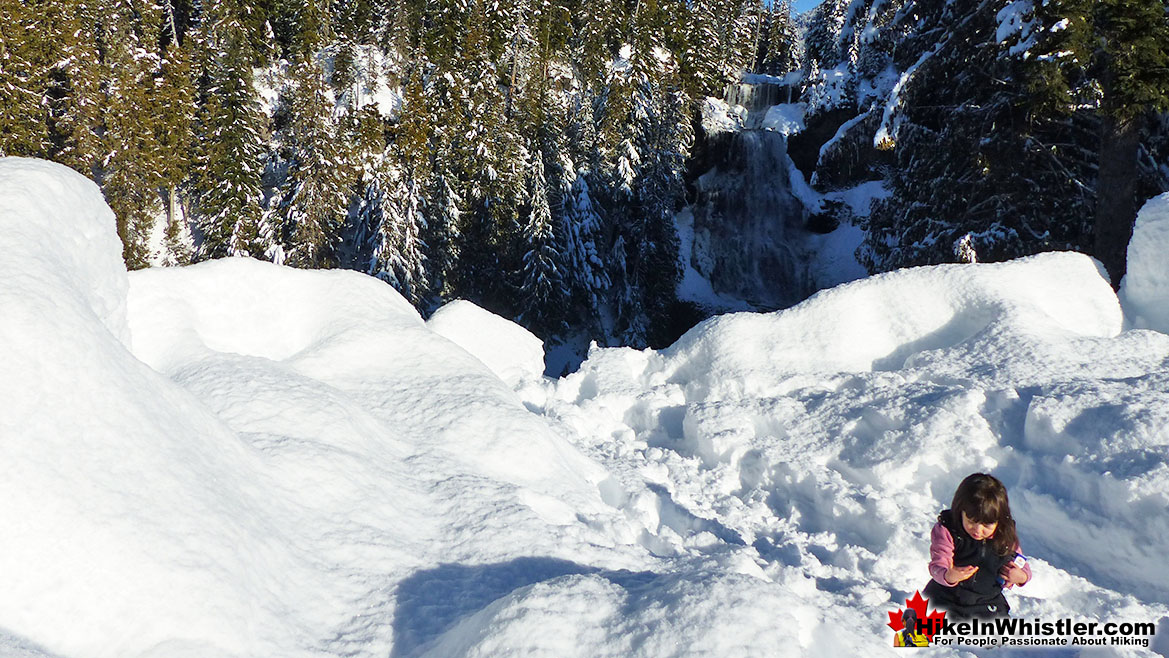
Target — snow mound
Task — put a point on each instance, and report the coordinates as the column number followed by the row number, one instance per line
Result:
column 886, row 321
column 1145, row 288
column 281, row 314
column 55, row 225
column 107, row 487
column 278, row 455
column 510, row 351
column 708, row 615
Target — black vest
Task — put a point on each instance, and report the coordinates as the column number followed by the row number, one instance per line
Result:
column 980, row 590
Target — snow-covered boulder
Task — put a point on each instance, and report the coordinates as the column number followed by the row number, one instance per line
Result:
column 512, row 352
column 1145, row 288
column 718, row 116
column 786, row 119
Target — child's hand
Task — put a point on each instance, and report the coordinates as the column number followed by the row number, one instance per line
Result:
column 1013, row 575
column 955, row 575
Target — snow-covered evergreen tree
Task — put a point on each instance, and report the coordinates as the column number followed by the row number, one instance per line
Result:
column 822, row 40
column 587, row 272
column 1112, row 56
column 230, row 150
column 491, row 161
column 783, row 44
column 175, row 135
column 134, row 159
column 446, row 194
column 24, row 82
column 542, row 289
column 974, row 162
column 315, row 199
column 394, row 209
column 75, row 91
column 397, row 217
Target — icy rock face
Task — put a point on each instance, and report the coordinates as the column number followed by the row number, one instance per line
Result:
column 748, row 225
column 1145, row 288
column 512, row 352
column 719, row 116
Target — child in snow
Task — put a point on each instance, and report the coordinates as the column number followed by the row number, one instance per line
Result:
column 974, row 552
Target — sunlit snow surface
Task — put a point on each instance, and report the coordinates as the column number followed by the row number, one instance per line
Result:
column 240, row 459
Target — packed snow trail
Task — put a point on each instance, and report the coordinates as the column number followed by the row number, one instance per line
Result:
column 240, row 459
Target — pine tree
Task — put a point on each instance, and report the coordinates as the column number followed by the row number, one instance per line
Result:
column 396, row 203
column 665, row 142
column 447, row 193
column 315, row 199
column 822, row 41
column 491, row 161
column 397, row 36
column 175, row 138
column 444, row 27
column 301, row 27
column 599, row 38
column 701, row 64
column 230, row 149
column 584, row 230
column 645, row 128
column 346, row 72
column 975, row 168
column 75, row 99
column 542, row 288
column 24, row 82
column 134, row 162
column 357, row 20
column 783, row 42
column 398, row 219
column 1113, row 55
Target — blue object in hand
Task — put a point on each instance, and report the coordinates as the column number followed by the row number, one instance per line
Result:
column 1019, row 561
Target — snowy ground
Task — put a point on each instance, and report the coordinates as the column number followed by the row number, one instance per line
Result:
column 240, row 459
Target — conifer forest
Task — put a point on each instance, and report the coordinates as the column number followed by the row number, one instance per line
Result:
column 533, row 156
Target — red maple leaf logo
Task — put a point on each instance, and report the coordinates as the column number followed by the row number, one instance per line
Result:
column 930, row 623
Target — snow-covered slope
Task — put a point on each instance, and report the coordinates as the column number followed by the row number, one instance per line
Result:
column 266, row 468
column 240, row 459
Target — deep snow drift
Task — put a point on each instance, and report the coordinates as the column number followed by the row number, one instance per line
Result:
column 240, row 459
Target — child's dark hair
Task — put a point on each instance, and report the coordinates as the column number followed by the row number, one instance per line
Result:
column 984, row 500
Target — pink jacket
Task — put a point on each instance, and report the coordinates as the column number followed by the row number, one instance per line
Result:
column 942, row 555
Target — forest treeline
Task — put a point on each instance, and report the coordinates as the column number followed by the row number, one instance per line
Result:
column 528, row 155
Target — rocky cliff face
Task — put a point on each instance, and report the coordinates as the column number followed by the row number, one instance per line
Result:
column 748, row 226
column 757, row 224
